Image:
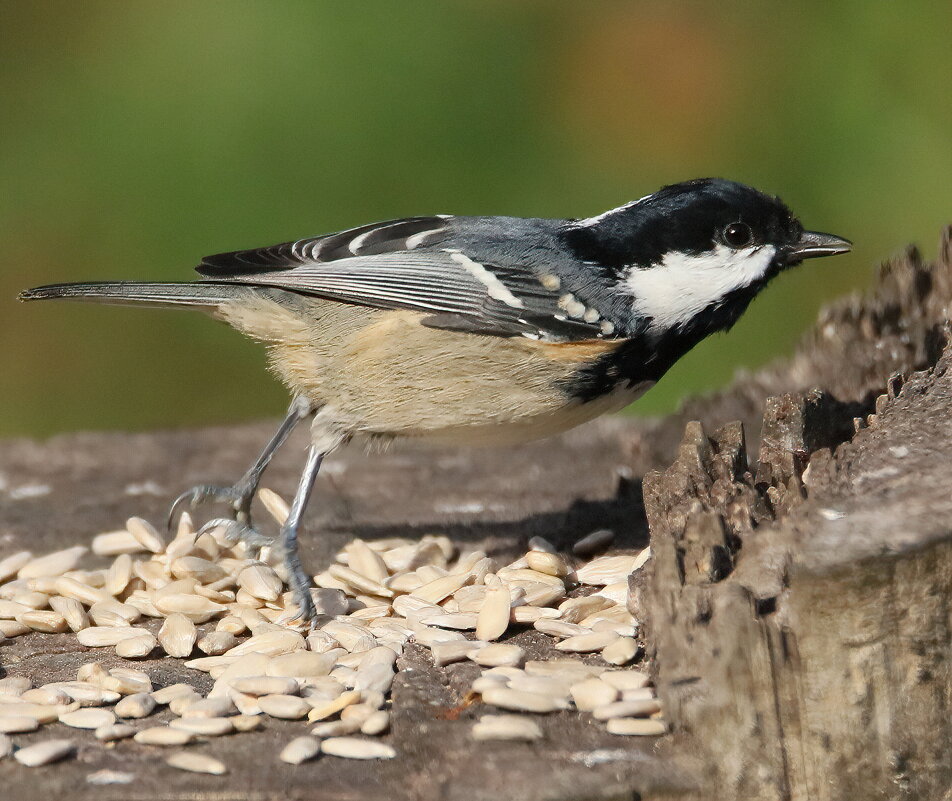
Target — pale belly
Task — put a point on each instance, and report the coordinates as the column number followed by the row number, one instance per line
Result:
column 383, row 375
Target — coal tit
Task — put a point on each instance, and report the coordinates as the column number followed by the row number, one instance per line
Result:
column 480, row 329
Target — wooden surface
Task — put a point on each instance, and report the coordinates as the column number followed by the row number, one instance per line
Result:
column 797, row 609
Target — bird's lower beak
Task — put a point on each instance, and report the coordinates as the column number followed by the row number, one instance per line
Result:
column 813, row 244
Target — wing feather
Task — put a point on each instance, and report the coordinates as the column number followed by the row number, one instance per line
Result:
column 414, row 264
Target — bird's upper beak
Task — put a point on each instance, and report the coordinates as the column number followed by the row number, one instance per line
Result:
column 813, row 244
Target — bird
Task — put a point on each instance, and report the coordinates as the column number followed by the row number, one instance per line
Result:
column 476, row 329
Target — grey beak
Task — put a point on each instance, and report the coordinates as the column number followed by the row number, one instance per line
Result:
column 813, row 244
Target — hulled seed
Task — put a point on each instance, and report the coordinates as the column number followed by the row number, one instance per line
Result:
column 356, row 748
column 44, row 753
column 197, row 763
column 300, row 749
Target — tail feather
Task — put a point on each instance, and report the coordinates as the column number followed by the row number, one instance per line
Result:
column 208, row 295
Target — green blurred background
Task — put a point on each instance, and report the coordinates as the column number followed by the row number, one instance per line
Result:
column 139, row 136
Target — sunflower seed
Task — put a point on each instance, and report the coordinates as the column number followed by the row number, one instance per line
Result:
column 40, row 712
column 625, row 679
column 128, row 681
column 197, row 763
column 73, row 612
column 366, row 561
column 587, row 643
column 522, row 701
column 356, row 748
column 215, row 643
column 287, row 707
column 113, row 613
column 87, row 694
column 163, row 735
column 261, row 581
column 359, row 582
column 53, row 564
column 146, row 534
column 506, row 727
column 245, row 722
column 499, row 655
column 177, row 636
column 92, row 673
column 440, row 588
column 592, row 543
column 12, row 564
column 627, row 709
column 266, row 685
column 300, row 664
column 117, row 731
column 15, row 685
column 549, row 563
column 445, row 653
column 204, row 727
column 269, row 643
column 119, row 574
column 48, row 696
column 137, row 705
column 46, row 622
column 376, row 723
column 88, row 718
column 276, row 505
column 180, row 703
column 353, row 637
column 621, row 651
column 593, row 693
column 136, row 647
column 326, row 710
column 636, row 726
column 84, row 593
column 336, row 728
column 300, row 749
column 164, row 695
column 44, row 753
column 32, row 598
column 15, row 724
column 544, row 685
column 537, row 594
column 113, row 543
column 12, row 609
column 559, row 628
column 213, row 707
column 493, row 619
column 196, row 608
column 13, row 628
column 6, row 746
column 611, row 569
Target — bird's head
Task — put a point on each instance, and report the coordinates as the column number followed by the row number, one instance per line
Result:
column 693, row 255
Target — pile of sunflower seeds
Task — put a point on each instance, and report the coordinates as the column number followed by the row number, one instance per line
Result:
column 375, row 598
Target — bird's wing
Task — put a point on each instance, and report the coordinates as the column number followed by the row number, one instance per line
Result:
column 391, row 236
column 417, row 264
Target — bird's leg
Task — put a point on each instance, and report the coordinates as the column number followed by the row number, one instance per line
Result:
column 240, row 495
column 298, row 580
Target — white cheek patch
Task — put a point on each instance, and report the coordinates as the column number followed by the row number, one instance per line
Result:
column 673, row 292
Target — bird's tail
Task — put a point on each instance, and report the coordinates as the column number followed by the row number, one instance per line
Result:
column 197, row 294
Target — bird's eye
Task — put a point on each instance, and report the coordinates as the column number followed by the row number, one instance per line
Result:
column 738, row 234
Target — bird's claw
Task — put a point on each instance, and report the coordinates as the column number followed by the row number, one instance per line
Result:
column 236, row 496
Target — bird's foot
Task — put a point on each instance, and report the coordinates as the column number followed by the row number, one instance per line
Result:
column 235, row 531
column 299, row 583
column 238, row 497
